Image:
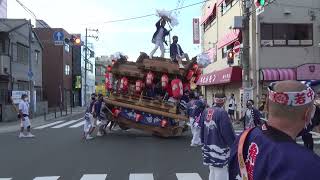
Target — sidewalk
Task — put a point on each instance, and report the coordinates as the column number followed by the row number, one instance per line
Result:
column 77, row 112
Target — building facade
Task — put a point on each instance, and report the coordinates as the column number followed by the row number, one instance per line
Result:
column 57, row 68
column 284, row 45
column 101, row 69
column 15, row 72
column 76, row 74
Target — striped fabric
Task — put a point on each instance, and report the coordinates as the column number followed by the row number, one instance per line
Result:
column 273, row 74
column 287, row 74
column 270, row 75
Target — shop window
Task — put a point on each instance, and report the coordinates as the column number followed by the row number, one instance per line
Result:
column 37, row 54
column 286, row 34
column 210, row 21
column 227, row 5
column 226, row 49
column 89, row 67
column 4, row 43
column 67, row 70
column 22, row 53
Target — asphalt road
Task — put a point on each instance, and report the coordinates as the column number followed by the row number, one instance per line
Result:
column 60, row 152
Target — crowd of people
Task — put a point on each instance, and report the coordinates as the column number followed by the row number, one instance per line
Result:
column 265, row 149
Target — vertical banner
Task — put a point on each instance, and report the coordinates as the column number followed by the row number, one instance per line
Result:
column 196, row 31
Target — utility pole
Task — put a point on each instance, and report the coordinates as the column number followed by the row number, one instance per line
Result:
column 246, row 4
column 86, row 59
column 30, row 73
column 85, row 66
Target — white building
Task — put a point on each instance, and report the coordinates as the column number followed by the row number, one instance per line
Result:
column 284, row 45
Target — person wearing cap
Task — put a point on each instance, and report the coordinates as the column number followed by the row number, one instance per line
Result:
column 89, row 122
column 24, row 117
column 217, row 136
column 194, row 109
column 270, row 151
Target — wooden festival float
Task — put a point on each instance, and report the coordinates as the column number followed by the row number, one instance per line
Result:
column 128, row 84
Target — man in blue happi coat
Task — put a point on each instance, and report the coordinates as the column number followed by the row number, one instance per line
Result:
column 217, row 136
column 270, row 152
column 194, row 110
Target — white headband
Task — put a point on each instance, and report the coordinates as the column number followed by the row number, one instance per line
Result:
column 292, row 98
column 219, row 100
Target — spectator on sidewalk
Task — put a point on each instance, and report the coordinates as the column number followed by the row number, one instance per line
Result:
column 89, row 125
column 232, row 106
column 24, row 117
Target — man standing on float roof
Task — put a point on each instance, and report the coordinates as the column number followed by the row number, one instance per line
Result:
column 270, row 151
column 159, row 37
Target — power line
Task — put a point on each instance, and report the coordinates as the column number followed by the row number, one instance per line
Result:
column 30, row 12
column 148, row 15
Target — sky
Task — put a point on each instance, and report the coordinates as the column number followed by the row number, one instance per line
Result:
column 129, row 37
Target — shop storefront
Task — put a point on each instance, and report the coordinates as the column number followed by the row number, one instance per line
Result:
column 228, row 80
column 269, row 75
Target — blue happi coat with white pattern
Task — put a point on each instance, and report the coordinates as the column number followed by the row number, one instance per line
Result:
column 217, row 136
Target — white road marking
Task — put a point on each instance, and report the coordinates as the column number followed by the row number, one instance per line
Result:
column 94, row 177
column 188, row 176
column 141, row 177
column 66, row 124
column 5, row 178
column 77, row 125
column 48, row 125
column 47, row 178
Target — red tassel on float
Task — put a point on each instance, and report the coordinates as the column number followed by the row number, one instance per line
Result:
column 138, row 117
column 190, row 74
column 164, row 123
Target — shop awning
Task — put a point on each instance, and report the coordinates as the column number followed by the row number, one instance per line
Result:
column 287, row 74
column 220, row 2
column 209, row 11
column 228, row 75
column 229, row 38
column 270, row 75
column 275, row 74
column 308, row 72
